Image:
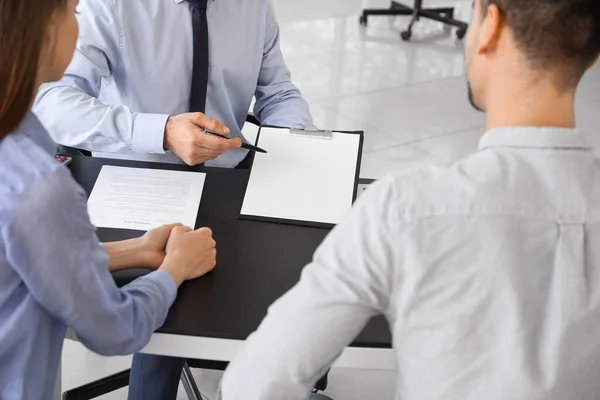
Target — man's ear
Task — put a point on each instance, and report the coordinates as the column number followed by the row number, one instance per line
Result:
column 491, row 29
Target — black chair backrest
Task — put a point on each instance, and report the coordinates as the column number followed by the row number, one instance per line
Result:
column 252, row 119
column 72, row 151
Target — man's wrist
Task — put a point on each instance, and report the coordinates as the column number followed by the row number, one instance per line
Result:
column 168, row 127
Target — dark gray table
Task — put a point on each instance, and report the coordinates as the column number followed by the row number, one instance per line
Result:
column 257, row 263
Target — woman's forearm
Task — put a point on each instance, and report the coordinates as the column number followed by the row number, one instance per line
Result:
column 125, row 254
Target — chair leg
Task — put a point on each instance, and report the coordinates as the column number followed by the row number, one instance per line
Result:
column 189, row 384
column 407, row 34
column 415, row 17
column 396, row 9
column 399, row 6
column 436, row 16
column 98, row 388
column 448, row 11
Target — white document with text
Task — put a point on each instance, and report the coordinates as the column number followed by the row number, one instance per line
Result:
column 143, row 199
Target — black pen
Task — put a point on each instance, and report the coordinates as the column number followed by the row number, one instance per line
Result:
column 246, row 146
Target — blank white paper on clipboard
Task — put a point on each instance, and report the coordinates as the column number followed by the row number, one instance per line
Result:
column 302, row 179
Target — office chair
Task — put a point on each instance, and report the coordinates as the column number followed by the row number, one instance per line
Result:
column 72, row 151
column 444, row 15
column 120, row 380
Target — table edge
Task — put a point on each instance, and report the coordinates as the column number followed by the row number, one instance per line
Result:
column 214, row 349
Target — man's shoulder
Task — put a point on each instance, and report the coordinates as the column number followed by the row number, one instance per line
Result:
column 436, row 190
column 98, row 3
column 114, row 8
column 104, row 10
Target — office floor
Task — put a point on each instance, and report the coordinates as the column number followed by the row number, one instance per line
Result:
column 409, row 98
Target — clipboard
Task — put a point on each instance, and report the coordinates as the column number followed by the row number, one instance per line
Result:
column 307, row 178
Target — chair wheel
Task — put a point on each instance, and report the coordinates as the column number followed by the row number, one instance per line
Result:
column 461, row 33
column 406, row 35
column 363, row 20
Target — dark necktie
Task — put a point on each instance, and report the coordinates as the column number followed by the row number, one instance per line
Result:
column 200, row 68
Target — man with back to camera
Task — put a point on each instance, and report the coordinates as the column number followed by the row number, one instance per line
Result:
column 488, row 271
column 147, row 76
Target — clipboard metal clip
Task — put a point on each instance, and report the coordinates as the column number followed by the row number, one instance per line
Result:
column 312, row 133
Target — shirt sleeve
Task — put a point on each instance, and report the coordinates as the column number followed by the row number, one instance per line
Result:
column 52, row 245
column 348, row 282
column 278, row 100
column 70, row 108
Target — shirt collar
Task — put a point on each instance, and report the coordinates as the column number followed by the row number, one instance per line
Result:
column 33, row 129
column 533, row 137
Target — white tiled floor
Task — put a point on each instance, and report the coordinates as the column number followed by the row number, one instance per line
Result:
column 410, row 98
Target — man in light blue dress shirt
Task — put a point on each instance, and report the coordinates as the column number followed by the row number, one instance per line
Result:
column 126, row 94
column 132, row 71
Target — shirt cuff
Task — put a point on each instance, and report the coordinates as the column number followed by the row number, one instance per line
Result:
column 166, row 283
column 148, row 133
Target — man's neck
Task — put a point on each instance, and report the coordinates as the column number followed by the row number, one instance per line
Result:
column 538, row 105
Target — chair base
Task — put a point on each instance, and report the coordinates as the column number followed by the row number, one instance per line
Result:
column 120, row 380
column 444, row 15
column 99, row 387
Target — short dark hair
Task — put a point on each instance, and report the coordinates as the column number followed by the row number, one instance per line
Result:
column 23, row 25
column 562, row 34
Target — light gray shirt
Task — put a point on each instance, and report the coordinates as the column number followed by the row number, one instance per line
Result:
column 133, row 68
column 488, row 272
